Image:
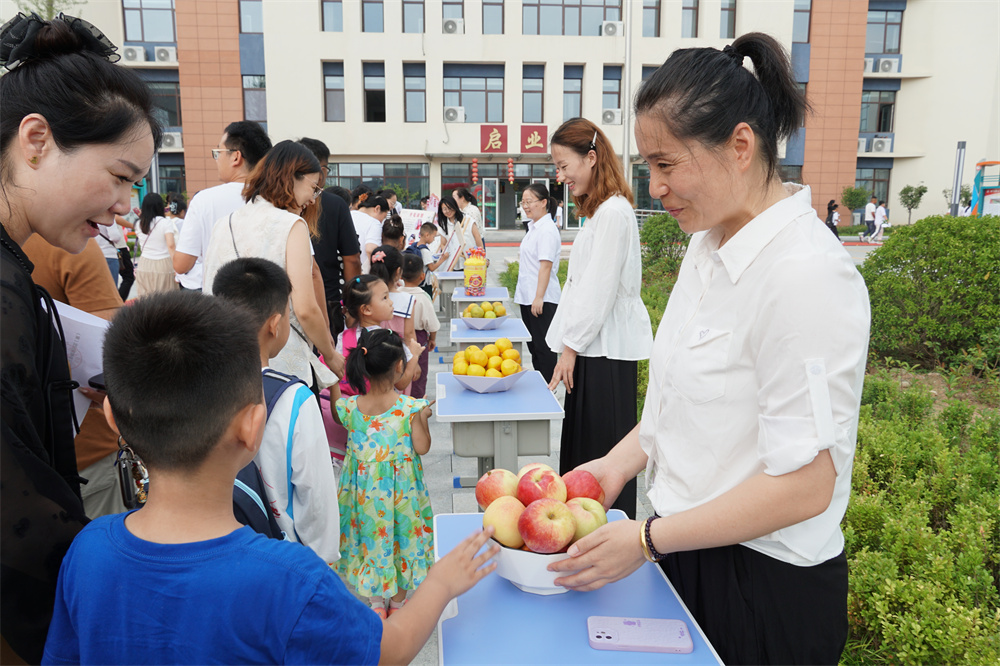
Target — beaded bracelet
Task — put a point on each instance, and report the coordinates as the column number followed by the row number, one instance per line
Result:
column 642, row 544
column 651, row 553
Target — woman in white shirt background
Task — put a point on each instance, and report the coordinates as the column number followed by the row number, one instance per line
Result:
column 368, row 212
column 601, row 326
column 467, row 201
column 463, row 227
column 751, row 414
column 537, row 291
column 155, row 236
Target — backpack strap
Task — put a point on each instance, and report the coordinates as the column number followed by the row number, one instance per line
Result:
column 250, row 503
column 275, row 384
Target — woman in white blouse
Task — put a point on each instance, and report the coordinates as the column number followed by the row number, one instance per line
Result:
column 537, row 291
column 463, row 228
column 601, row 327
column 751, row 415
column 368, row 213
column 467, row 200
column 155, row 238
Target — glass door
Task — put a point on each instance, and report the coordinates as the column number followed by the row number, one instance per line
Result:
column 491, row 188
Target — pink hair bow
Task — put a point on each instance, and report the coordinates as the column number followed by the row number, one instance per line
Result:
column 378, row 256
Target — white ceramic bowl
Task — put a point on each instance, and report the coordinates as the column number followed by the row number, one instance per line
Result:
column 488, row 384
column 527, row 572
column 482, row 323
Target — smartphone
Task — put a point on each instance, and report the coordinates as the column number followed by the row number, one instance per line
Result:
column 639, row 634
column 97, row 382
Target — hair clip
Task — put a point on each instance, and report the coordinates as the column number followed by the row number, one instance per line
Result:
column 19, row 36
column 363, row 197
column 378, row 256
column 364, row 351
column 593, row 142
column 357, row 279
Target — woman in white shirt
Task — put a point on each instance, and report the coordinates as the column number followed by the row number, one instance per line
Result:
column 601, row 327
column 537, row 291
column 369, row 214
column 467, row 201
column 463, row 227
column 155, row 238
column 275, row 224
column 751, row 414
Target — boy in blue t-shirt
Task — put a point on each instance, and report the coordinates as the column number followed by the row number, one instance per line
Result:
column 180, row 581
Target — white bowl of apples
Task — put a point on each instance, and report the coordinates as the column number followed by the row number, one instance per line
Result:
column 536, row 515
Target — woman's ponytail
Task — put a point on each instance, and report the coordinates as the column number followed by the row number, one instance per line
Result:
column 773, row 70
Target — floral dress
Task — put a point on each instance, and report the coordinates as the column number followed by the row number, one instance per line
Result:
column 386, row 536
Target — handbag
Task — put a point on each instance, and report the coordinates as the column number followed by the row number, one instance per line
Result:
column 133, row 479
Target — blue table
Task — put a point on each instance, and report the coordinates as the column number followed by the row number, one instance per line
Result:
column 496, row 623
column 512, row 328
column 497, row 427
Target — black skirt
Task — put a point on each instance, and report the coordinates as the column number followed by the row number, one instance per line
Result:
column 600, row 411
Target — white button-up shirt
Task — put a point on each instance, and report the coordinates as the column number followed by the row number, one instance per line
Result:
column 758, row 366
column 601, row 312
column 541, row 243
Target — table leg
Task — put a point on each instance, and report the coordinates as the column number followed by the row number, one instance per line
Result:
column 505, row 445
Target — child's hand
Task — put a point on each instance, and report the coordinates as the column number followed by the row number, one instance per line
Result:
column 415, row 347
column 460, row 569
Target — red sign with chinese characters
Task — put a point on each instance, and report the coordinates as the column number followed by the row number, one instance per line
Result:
column 534, row 139
column 493, row 138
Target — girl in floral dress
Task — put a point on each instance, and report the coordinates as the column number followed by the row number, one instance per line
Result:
column 386, row 540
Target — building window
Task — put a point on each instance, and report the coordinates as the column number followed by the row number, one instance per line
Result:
column 689, row 18
column 166, row 102
column 251, row 17
column 532, row 93
column 333, row 16
column 492, row 17
column 413, row 16
column 648, row 70
column 877, row 110
column 875, row 181
column 569, row 17
column 333, row 86
column 477, row 88
column 650, row 18
column 883, row 31
column 790, row 173
column 254, row 99
column 452, row 9
column 572, row 91
column 171, row 178
column 611, row 90
column 415, row 92
column 727, row 22
column 374, row 80
column 149, row 21
column 413, row 178
column 640, row 186
column 372, row 16
column 800, row 21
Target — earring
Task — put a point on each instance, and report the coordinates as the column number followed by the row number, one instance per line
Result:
column 34, row 160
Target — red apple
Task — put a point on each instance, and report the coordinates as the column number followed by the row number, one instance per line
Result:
column 589, row 515
column 495, row 483
column 547, row 526
column 503, row 514
column 530, row 466
column 538, row 484
column 581, row 483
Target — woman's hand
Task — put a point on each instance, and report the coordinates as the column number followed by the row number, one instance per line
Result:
column 335, row 361
column 563, row 371
column 608, row 554
column 536, row 306
column 611, row 479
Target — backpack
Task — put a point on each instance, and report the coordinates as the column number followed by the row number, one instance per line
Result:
column 250, row 503
column 415, row 248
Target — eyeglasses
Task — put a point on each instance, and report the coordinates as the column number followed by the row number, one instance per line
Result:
column 218, row 151
column 525, row 202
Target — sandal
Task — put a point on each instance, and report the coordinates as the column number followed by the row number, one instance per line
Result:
column 380, row 612
column 393, row 609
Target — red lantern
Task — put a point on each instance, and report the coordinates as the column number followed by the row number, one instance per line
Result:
column 510, row 170
column 475, row 170
column 558, row 176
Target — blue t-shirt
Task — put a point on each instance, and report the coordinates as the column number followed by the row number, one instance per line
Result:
column 238, row 599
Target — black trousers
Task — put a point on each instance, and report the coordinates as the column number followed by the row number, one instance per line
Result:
column 542, row 358
column 599, row 412
column 758, row 610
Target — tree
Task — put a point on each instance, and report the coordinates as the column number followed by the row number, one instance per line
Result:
column 910, row 197
column 855, row 197
column 964, row 195
column 47, row 9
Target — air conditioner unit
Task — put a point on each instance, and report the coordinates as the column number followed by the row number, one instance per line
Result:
column 611, row 117
column 453, row 27
column 612, row 28
column 166, row 54
column 454, row 114
column 869, row 65
column 862, row 145
column 134, row 54
column 882, row 145
column 172, row 141
column 888, row 66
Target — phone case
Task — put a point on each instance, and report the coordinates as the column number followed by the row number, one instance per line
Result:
column 639, row 634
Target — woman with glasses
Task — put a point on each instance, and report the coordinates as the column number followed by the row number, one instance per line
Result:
column 275, row 224
column 537, row 291
column 601, row 327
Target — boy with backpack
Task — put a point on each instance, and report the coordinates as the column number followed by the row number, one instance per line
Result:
column 185, row 582
column 294, row 457
column 425, row 321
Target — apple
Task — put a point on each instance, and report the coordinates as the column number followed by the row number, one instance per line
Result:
column 504, row 514
column 589, row 515
column 581, row 483
column 530, row 466
column 495, row 483
column 547, row 526
column 540, row 484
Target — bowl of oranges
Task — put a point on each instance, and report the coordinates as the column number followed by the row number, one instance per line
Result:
column 494, row 368
column 484, row 316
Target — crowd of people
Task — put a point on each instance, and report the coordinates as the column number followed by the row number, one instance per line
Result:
column 282, row 331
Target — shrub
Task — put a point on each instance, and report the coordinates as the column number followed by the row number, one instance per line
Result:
column 855, row 197
column 935, row 290
column 664, row 243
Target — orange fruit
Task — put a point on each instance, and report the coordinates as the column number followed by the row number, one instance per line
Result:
column 494, row 363
column 491, row 350
column 469, row 351
column 460, row 368
column 512, row 354
column 493, row 372
column 459, row 357
column 509, row 367
column 479, row 358
column 503, row 344
column 486, row 306
column 500, row 311
column 476, row 371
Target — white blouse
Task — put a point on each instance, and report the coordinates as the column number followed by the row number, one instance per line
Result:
column 758, row 366
column 541, row 243
column 154, row 244
column 600, row 311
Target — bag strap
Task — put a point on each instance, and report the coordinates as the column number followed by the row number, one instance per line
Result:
column 233, row 236
column 275, row 384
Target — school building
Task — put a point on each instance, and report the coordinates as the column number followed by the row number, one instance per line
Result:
column 432, row 94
